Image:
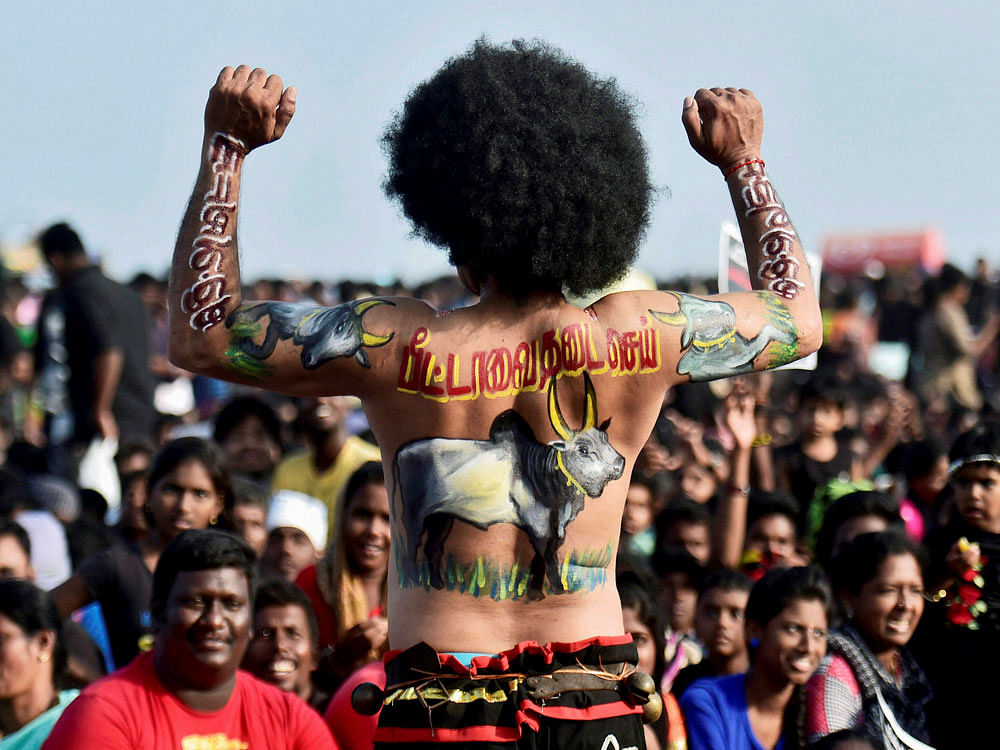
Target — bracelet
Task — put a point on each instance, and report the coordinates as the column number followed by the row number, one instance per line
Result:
column 728, row 173
column 732, row 489
column 764, row 438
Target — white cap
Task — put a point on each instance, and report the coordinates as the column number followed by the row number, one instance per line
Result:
column 297, row 510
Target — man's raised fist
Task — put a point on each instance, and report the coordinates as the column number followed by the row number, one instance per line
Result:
column 724, row 125
column 249, row 105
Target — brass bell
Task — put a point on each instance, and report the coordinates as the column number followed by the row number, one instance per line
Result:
column 640, row 687
column 653, row 709
column 367, row 699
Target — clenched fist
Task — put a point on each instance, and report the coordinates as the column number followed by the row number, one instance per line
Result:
column 249, row 105
column 724, row 125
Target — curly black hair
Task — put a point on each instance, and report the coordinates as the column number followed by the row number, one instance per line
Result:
column 525, row 166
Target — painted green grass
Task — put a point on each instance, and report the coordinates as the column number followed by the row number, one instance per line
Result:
column 777, row 313
column 581, row 570
column 237, row 359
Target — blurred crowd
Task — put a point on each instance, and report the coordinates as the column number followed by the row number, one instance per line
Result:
column 824, row 543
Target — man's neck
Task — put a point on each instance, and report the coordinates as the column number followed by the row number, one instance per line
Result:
column 205, row 698
column 328, row 447
column 733, row 664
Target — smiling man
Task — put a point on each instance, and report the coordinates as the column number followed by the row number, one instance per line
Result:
column 188, row 694
column 284, row 650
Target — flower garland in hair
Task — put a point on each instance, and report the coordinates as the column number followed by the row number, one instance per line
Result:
column 967, row 603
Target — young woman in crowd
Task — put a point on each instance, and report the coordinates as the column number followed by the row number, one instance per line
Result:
column 643, row 620
column 348, row 585
column 869, row 679
column 32, row 657
column 787, row 617
column 188, row 489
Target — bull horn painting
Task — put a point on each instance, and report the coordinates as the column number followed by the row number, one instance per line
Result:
column 511, row 478
column 324, row 333
column 713, row 347
column 563, row 430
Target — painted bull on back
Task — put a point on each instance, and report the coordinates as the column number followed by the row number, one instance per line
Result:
column 324, row 333
column 714, row 348
column 510, row 478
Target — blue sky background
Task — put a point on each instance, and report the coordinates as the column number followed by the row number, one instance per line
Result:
column 879, row 116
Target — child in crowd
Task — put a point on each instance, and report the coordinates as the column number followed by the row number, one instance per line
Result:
column 679, row 576
column 817, row 456
column 646, row 497
column 250, row 506
column 296, row 534
column 772, row 538
column 719, row 625
column 685, row 524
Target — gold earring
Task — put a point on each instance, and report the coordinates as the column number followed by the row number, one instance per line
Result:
column 43, row 658
column 213, row 520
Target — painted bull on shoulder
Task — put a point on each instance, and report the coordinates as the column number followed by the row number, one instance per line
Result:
column 714, row 347
column 510, row 478
column 324, row 333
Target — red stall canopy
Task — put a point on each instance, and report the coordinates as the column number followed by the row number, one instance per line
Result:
column 853, row 253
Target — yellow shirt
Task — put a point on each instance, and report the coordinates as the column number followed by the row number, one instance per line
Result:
column 298, row 472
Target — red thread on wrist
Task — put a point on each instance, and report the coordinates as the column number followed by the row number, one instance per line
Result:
column 726, row 175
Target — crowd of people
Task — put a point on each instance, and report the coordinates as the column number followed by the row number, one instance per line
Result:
column 741, row 485
column 806, row 557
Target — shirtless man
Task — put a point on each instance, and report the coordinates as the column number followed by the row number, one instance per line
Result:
column 509, row 428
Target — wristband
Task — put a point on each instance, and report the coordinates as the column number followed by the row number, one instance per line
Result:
column 728, row 173
column 732, row 489
column 764, row 438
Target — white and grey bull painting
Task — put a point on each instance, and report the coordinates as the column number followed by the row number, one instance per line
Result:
column 510, row 478
column 714, row 348
column 324, row 333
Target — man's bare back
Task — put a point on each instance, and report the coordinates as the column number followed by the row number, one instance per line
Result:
column 509, row 428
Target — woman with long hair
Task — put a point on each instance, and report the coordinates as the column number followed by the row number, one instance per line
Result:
column 188, row 489
column 348, row 585
column 787, row 617
column 32, row 659
column 869, row 679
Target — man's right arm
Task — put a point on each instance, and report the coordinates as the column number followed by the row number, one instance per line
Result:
column 297, row 348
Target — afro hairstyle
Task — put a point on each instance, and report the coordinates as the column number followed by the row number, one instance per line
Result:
column 525, row 166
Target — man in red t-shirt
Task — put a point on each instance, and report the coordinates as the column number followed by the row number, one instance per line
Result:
column 187, row 694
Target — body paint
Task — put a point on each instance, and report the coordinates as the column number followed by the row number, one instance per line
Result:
column 529, row 366
column 713, row 348
column 778, row 265
column 511, row 478
column 323, row 333
column 579, row 570
column 204, row 301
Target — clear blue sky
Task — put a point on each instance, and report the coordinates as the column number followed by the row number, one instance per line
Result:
column 878, row 116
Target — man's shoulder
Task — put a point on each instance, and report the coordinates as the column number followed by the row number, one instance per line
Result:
column 124, row 690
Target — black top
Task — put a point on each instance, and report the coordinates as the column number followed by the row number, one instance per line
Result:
column 962, row 662
column 805, row 475
column 123, row 585
column 102, row 315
